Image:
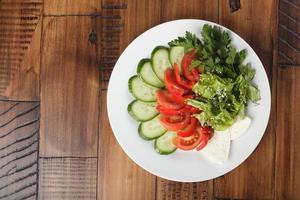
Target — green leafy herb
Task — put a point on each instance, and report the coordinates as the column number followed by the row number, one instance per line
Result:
column 190, row 41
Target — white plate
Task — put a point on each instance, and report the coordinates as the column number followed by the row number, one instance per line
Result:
column 179, row 166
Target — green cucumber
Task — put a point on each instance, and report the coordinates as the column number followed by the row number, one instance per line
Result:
column 151, row 129
column 164, row 144
column 142, row 111
column 145, row 71
column 176, row 54
column 160, row 61
column 141, row 90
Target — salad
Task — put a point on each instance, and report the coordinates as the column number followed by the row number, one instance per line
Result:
column 193, row 94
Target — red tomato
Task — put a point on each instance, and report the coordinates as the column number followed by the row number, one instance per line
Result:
column 203, row 142
column 175, row 122
column 183, row 82
column 192, row 109
column 207, row 130
column 192, row 75
column 168, row 111
column 182, row 98
column 207, row 133
column 171, row 83
column 195, row 73
column 188, row 143
column 186, row 108
column 189, row 129
column 165, row 99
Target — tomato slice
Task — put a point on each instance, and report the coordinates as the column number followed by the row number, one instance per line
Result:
column 207, row 130
column 192, row 75
column 203, row 143
column 175, row 122
column 195, row 74
column 182, row 98
column 188, row 143
column 172, row 85
column 207, row 134
column 192, row 109
column 167, row 111
column 165, row 99
column 183, row 82
column 189, row 129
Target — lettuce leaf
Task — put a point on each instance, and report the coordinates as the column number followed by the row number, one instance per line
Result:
column 222, row 99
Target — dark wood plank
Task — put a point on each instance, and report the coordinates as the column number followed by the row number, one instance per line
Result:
column 19, row 127
column 171, row 10
column 68, row 178
column 71, row 7
column 69, row 88
column 287, row 134
column 254, row 179
column 20, row 30
column 118, row 176
column 289, row 34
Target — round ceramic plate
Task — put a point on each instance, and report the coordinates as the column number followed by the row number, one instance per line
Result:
column 180, row 166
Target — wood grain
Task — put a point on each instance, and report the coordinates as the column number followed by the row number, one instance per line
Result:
column 118, row 176
column 71, row 7
column 183, row 191
column 19, row 127
column 253, row 179
column 20, row 30
column 69, row 92
column 68, row 178
column 287, row 137
column 189, row 9
column 172, row 10
column 289, row 25
column 122, row 22
column 109, row 48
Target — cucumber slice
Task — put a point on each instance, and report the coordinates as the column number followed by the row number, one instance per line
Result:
column 151, row 129
column 164, row 144
column 142, row 111
column 141, row 90
column 160, row 61
column 176, row 54
column 145, row 71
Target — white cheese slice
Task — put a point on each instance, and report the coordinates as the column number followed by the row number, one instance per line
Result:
column 218, row 147
column 239, row 127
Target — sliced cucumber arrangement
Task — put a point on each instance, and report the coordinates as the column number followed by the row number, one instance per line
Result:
column 176, row 54
column 141, row 90
column 160, row 61
column 143, row 86
column 145, row 71
column 164, row 144
column 142, row 111
column 151, row 129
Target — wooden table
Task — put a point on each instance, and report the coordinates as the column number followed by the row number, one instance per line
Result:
column 56, row 57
